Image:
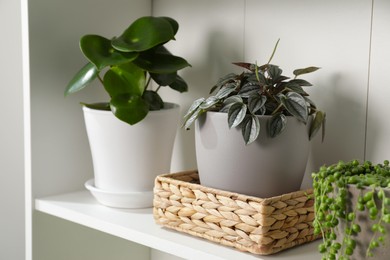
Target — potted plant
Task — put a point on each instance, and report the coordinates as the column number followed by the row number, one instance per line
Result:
column 275, row 118
column 131, row 136
column 352, row 210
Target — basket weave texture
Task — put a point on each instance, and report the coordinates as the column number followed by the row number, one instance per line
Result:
column 260, row 226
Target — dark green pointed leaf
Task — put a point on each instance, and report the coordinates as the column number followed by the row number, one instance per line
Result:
column 236, row 114
column 300, row 82
column 295, row 105
column 295, row 87
column 225, row 79
column 124, row 79
column 83, row 77
column 275, row 72
column 99, row 51
column 226, row 90
column 164, row 79
column 249, row 89
column 298, row 72
column 255, row 102
column 153, row 99
column 277, row 124
column 173, row 22
column 318, row 121
column 179, row 85
column 129, row 108
column 159, row 60
column 230, row 101
column 250, row 128
column 144, row 34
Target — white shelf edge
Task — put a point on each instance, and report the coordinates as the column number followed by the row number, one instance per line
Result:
column 139, row 226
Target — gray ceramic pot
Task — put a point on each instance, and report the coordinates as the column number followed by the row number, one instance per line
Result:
column 265, row 168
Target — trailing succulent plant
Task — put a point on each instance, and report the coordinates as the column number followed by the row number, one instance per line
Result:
column 260, row 90
column 129, row 63
column 333, row 206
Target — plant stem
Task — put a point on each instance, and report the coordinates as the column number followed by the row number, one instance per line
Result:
column 148, row 82
column 100, row 79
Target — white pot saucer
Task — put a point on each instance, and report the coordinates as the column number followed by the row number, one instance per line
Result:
column 129, row 200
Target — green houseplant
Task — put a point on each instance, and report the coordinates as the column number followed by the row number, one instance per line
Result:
column 123, row 132
column 129, row 63
column 274, row 116
column 261, row 90
column 352, row 209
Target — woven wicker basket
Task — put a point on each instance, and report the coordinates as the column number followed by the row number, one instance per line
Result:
column 260, row 226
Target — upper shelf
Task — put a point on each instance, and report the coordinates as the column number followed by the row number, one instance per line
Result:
column 139, row 226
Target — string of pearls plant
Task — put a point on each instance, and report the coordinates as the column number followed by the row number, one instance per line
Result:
column 333, row 207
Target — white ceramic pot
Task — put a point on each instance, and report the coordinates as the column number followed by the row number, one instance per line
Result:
column 127, row 158
column 264, row 168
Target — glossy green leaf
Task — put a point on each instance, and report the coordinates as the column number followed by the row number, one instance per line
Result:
column 295, row 105
column 250, row 128
column 226, row 90
column 255, row 102
column 173, row 22
column 159, row 60
column 249, row 89
column 300, row 82
column 144, row 34
column 124, row 79
column 129, row 108
column 191, row 119
column 209, row 102
column 295, row 87
column 298, row 72
column 153, row 99
column 83, row 77
column 277, row 124
column 236, row 114
column 179, row 85
column 194, row 106
column 164, row 79
column 275, row 72
column 318, row 121
column 99, row 51
column 228, row 102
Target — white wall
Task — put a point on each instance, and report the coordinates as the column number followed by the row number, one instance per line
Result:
column 11, row 134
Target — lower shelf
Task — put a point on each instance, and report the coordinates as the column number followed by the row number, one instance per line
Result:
column 139, row 226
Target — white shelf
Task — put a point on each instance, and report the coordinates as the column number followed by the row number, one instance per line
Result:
column 139, row 226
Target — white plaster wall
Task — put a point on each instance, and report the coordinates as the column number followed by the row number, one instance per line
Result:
column 11, row 134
